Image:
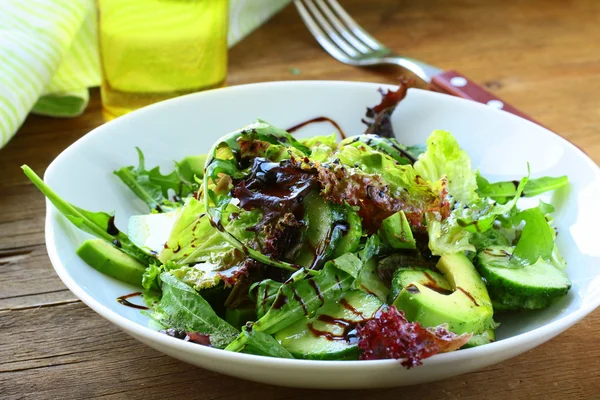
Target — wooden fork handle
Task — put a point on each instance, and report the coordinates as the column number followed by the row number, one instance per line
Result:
column 454, row 83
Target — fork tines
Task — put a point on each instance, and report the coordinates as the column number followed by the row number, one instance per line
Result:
column 336, row 31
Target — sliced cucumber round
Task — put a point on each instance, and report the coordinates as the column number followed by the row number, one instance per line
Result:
column 532, row 287
column 328, row 334
column 332, row 230
column 350, row 239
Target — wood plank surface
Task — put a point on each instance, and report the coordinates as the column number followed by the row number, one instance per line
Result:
column 541, row 56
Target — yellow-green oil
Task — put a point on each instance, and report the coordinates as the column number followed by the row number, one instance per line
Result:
column 152, row 50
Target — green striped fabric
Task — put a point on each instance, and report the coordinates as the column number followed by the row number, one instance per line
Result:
column 49, row 54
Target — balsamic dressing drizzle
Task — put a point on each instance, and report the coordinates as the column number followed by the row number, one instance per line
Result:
column 315, row 120
column 123, row 300
column 111, row 228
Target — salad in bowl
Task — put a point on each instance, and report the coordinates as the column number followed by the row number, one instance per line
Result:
column 325, row 249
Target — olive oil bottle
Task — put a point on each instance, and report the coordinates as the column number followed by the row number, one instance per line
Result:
column 152, row 50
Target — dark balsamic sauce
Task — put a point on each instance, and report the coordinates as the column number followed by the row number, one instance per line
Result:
column 468, row 295
column 280, row 301
column 434, row 286
column 348, row 327
column 123, row 300
column 300, row 300
column 351, row 308
column 111, row 228
column 317, row 289
column 315, row 120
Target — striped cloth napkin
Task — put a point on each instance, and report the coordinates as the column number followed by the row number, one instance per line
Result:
column 49, row 54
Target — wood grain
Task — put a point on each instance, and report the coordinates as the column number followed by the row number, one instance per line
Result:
column 541, row 56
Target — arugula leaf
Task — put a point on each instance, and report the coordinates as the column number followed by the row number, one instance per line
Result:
column 181, row 307
column 262, row 344
column 99, row 224
column 444, row 157
column 481, row 218
column 536, row 241
column 151, row 186
column 92, row 223
column 373, row 247
column 298, row 298
column 263, row 294
column 500, row 191
column 540, row 185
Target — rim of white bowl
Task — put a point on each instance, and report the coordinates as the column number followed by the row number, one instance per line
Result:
column 540, row 334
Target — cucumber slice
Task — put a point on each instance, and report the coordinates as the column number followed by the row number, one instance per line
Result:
column 332, row 230
column 350, row 239
column 328, row 334
column 531, row 287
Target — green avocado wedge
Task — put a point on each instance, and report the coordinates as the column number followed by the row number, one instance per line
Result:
column 467, row 309
column 110, row 260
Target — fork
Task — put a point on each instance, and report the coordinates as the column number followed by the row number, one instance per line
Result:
column 346, row 41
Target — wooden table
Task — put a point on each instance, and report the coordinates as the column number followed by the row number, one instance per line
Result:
column 542, row 56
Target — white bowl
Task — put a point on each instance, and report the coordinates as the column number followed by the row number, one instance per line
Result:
column 499, row 143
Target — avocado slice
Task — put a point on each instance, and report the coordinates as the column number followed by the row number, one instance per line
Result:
column 403, row 277
column 111, row 261
column 395, row 231
column 467, row 309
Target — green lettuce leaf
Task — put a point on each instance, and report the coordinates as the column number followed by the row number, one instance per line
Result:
column 325, row 140
column 262, row 344
column 447, row 236
column 400, row 153
column 537, row 238
column 193, row 239
column 403, row 180
column 181, row 307
column 444, row 157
